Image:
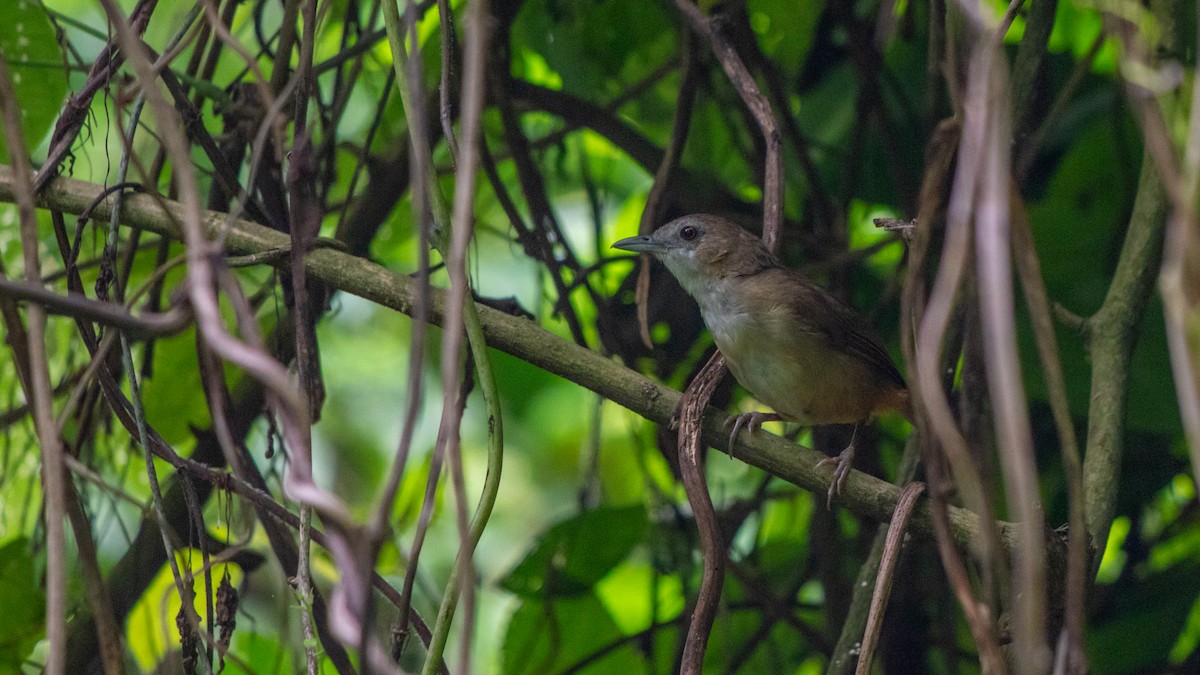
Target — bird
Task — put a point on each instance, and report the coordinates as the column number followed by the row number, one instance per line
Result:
column 788, row 341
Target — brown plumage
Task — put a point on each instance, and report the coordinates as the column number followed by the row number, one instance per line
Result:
column 791, row 343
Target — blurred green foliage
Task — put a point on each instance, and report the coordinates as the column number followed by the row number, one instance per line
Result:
column 590, row 563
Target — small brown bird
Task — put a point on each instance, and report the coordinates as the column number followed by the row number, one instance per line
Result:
column 791, row 343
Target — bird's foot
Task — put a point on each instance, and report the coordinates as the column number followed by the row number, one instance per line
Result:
column 751, row 421
column 842, row 464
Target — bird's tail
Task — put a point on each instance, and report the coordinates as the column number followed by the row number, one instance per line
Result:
column 898, row 400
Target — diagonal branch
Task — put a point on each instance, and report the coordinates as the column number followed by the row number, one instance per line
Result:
column 1112, row 333
column 864, row 495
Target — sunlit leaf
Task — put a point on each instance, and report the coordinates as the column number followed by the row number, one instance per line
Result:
column 570, row 557
column 28, row 42
column 545, row 637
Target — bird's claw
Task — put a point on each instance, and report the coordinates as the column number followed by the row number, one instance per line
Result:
column 750, row 421
column 842, row 465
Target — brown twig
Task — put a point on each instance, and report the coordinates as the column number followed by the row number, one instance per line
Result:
column 420, row 187
column 747, row 44
column 776, row 607
column 1029, row 65
column 604, row 115
column 304, row 225
column 849, row 643
column 148, row 325
column 930, row 321
column 652, row 213
column 146, row 553
column 700, row 390
column 760, row 108
column 979, row 618
column 1180, row 269
column 478, row 39
column 225, row 174
column 107, row 631
column 448, row 47
column 424, row 519
column 39, row 391
column 1028, row 144
column 1030, row 274
column 76, row 110
column 1007, row 392
column 712, row 544
column 557, row 253
column 883, row 582
column 933, row 62
column 287, row 401
column 578, row 113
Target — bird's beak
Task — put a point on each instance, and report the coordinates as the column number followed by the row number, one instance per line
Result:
column 641, row 244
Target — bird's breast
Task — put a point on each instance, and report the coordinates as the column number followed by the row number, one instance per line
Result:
column 789, row 367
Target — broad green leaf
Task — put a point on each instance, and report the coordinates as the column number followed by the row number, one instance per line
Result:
column 174, row 398
column 1142, row 620
column 548, row 637
column 786, row 29
column 150, row 631
column 635, row 595
column 24, row 605
column 570, row 557
column 29, row 45
column 594, row 46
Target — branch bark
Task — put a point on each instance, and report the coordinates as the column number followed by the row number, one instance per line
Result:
column 864, row 495
column 1112, row 334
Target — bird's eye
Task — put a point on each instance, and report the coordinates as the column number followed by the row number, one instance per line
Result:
column 688, row 233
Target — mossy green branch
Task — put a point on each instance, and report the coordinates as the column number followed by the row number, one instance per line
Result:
column 865, row 495
column 1112, row 333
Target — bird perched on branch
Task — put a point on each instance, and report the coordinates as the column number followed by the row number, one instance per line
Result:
column 788, row 341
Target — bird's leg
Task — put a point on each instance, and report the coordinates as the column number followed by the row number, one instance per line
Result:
column 751, row 421
column 843, row 463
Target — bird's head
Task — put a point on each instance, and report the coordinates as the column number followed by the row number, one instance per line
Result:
column 700, row 249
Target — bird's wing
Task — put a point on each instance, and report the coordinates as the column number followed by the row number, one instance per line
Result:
column 842, row 327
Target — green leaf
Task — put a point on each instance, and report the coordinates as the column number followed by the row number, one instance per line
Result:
column 29, row 45
column 786, row 29
column 24, row 605
column 1143, row 619
column 570, row 557
column 174, row 398
column 545, row 637
column 594, row 46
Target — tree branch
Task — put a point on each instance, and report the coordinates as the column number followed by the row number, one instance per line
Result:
column 864, row 495
column 1112, row 334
